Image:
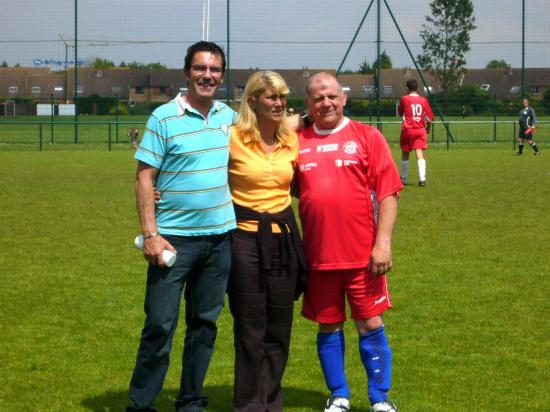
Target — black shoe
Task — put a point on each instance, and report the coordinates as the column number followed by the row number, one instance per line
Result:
column 519, row 154
column 422, row 183
column 537, row 153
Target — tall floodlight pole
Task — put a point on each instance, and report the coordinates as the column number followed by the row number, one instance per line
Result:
column 523, row 49
column 75, row 91
column 205, row 19
column 378, row 95
column 66, row 63
column 228, row 93
column 433, row 99
column 354, row 37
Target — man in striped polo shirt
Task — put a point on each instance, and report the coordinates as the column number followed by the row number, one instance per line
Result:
column 184, row 154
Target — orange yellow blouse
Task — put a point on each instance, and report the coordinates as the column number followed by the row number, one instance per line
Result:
column 259, row 180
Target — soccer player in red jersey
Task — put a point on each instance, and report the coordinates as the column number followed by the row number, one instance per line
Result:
column 417, row 117
column 349, row 188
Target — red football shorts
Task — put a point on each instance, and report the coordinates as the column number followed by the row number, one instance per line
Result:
column 324, row 299
column 412, row 139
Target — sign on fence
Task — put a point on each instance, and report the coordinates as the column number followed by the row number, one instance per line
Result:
column 66, row 110
column 44, row 109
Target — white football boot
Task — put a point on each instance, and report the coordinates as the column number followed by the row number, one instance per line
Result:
column 337, row 405
column 385, row 406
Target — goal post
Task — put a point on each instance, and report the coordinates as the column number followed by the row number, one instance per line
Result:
column 6, row 108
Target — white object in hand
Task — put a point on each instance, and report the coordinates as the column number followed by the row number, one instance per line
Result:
column 168, row 257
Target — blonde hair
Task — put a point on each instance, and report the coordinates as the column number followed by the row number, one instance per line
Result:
column 247, row 122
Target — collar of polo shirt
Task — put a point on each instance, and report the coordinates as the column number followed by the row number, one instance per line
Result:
column 183, row 105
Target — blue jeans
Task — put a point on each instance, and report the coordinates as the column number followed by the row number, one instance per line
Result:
column 202, row 266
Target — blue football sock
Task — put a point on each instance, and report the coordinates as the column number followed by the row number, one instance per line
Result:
column 331, row 348
column 376, row 356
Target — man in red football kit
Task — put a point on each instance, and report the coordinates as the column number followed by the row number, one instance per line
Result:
column 349, row 188
column 417, row 117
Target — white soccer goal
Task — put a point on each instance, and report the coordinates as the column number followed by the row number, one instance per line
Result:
column 5, row 108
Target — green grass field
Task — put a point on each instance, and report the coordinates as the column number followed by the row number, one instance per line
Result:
column 470, row 329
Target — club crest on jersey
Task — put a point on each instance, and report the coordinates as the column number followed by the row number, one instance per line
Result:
column 224, row 128
column 350, row 147
column 327, row 147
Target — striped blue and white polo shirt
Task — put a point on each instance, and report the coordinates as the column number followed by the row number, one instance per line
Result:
column 191, row 153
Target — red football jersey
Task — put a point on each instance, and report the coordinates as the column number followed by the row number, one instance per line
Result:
column 342, row 173
column 415, row 109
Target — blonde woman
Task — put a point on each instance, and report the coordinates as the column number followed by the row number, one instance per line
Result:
column 267, row 256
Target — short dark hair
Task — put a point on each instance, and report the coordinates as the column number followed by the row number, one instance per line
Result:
column 203, row 46
column 412, row 84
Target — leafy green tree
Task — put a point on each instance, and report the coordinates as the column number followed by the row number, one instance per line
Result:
column 4, row 64
column 156, row 65
column 99, row 63
column 497, row 64
column 385, row 61
column 122, row 64
column 446, row 40
column 136, row 65
column 365, row 67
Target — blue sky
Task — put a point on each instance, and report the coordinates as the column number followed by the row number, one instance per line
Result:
column 264, row 33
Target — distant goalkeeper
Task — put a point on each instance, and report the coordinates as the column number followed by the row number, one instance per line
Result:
column 527, row 125
column 417, row 117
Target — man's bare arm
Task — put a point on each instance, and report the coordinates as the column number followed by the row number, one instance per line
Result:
column 153, row 243
column 381, row 256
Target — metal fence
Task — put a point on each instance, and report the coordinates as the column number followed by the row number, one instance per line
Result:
column 113, row 135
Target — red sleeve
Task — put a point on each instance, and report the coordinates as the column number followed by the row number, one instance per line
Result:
column 400, row 108
column 382, row 173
